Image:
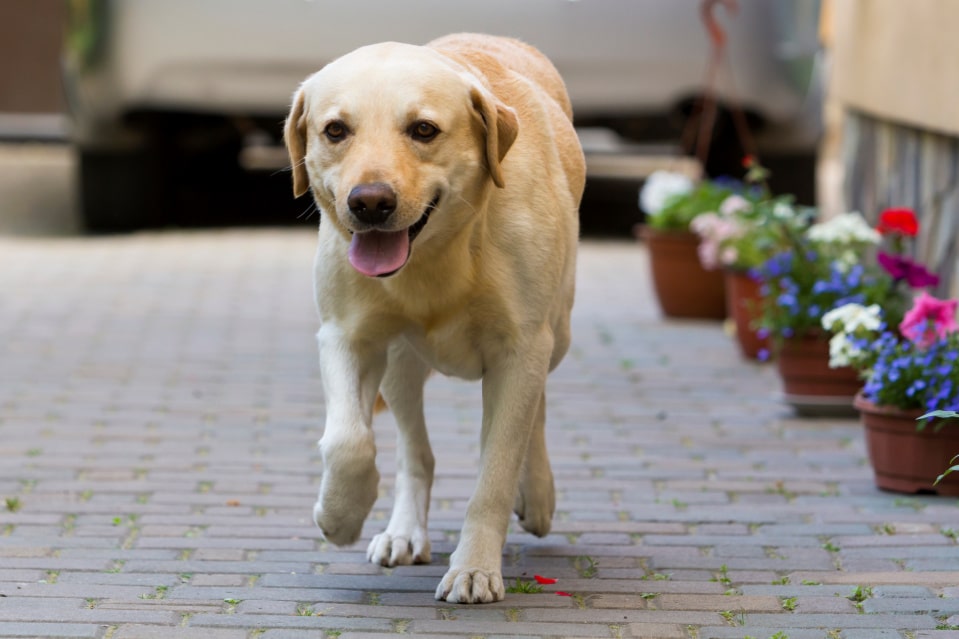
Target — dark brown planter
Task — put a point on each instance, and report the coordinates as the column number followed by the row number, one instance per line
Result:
column 743, row 306
column 809, row 385
column 683, row 287
column 905, row 459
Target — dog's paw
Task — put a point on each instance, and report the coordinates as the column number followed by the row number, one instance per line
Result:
column 471, row 585
column 388, row 549
column 340, row 528
column 348, row 491
column 535, row 504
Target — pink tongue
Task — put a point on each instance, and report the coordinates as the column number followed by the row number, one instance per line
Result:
column 379, row 252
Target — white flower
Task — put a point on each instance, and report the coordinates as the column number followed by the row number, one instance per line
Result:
column 842, row 352
column 659, row 187
column 852, row 317
column 847, row 228
column 734, row 204
column 782, row 211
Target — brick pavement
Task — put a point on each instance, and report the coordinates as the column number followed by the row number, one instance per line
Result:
column 159, row 405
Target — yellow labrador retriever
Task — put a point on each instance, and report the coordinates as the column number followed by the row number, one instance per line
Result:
column 448, row 177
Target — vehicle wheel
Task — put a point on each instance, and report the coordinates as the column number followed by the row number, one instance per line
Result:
column 115, row 188
column 184, row 171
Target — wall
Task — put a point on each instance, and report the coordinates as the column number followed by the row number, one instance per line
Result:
column 31, row 32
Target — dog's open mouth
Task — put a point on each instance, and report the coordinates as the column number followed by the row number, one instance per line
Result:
column 382, row 253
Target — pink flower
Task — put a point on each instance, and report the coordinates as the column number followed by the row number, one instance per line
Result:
column 713, row 230
column 902, row 268
column 929, row 319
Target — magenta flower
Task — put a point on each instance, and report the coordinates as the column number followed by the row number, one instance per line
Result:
column 902, row 268
column 929, row 319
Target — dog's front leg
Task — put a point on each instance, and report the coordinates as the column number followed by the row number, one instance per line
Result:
column 351, row 371
column 512, row 389
column 406, row 538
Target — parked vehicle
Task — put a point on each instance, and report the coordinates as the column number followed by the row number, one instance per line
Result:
column 166, row 94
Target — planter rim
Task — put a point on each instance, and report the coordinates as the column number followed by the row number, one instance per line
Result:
column 645, row 230
column 867, row 406
column 740, row 270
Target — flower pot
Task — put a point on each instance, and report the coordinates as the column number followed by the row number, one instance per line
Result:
column 742, row 305
column 905, row 459
column 683, row 287
column 810, row 386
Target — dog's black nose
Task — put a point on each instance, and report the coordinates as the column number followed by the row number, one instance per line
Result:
column 372, row 203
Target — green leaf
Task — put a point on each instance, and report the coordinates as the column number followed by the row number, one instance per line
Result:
column 940, row 414
column 952, row 469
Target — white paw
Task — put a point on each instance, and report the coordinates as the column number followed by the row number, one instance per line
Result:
column 471, row 585
column 347, row 494
column 388, row 549
column 535, row 504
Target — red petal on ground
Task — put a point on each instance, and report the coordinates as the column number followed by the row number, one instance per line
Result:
column 543, row 580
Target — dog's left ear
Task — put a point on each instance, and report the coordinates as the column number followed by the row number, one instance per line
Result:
column 502, row 128
column 294, row 133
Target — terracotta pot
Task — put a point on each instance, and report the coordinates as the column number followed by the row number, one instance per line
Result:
column 809, row 385
column 905, row 459
column 684, row 288
column 742, row 305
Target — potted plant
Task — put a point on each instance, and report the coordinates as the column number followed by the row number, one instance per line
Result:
column 911, row 372
column 823, row 268
column 746, row 230
column 671, row 202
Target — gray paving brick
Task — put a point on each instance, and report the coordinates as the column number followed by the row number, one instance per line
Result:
column 137, row 631
column 40, row 630
column 873, row 633
column 295, row 621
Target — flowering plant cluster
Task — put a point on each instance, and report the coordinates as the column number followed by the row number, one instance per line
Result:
column 823, row 268
column 671, row 200
column 748, row 226
column 744, row 232
column 914, row 365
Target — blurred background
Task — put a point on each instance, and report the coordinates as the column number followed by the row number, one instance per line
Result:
column 119, row 115
column 171, row 110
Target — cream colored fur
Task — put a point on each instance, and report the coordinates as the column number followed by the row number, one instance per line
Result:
column 485, row 294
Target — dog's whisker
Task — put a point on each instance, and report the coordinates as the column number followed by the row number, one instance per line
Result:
column 466, row 202
column 289, row 169
column 308, row 213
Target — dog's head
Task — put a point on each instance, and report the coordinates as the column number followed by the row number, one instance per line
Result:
column 396, row 142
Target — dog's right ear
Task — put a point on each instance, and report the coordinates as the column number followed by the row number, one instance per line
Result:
column 294, row 134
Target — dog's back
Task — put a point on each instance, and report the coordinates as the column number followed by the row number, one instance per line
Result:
column 490, row 54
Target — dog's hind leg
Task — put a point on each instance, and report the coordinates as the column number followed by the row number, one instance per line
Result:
column 536, row 499
column 406, row 539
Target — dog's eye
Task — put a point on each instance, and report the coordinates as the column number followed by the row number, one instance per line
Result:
column 423, row 131
column 336, row 131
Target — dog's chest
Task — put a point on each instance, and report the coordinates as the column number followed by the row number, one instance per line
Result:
column 453, row 347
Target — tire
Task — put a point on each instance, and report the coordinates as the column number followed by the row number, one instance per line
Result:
column 114, row 187
column 183, row 172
